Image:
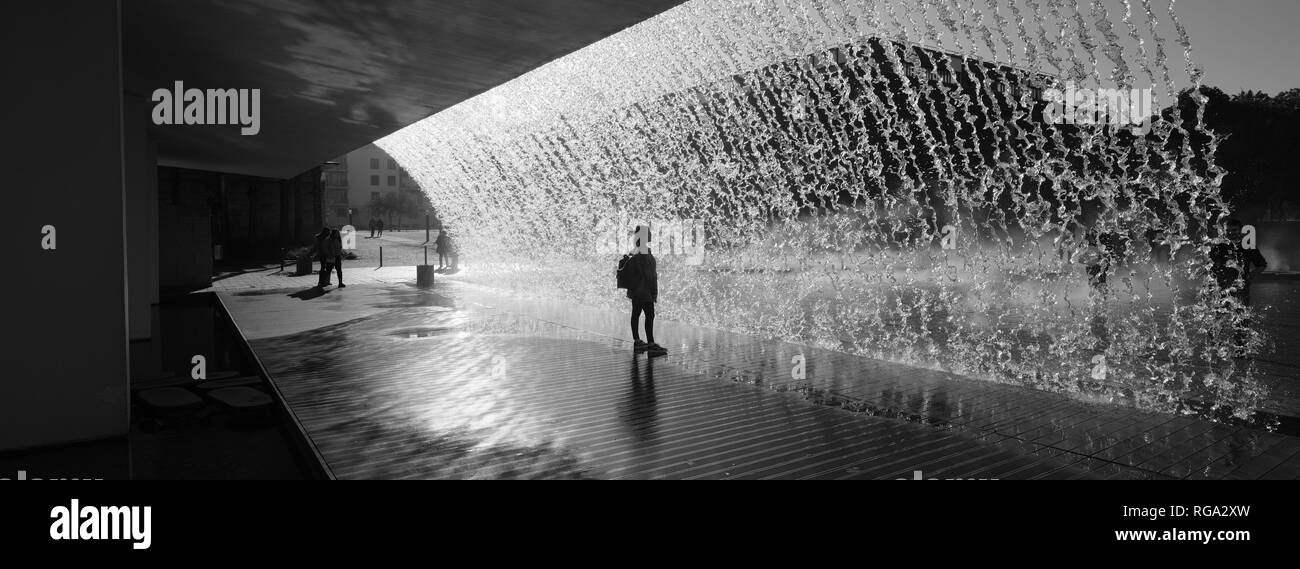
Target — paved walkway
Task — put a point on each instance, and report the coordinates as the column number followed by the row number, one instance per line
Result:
column 394, row 382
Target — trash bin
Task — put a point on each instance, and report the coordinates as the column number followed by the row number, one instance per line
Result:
column 424, row 276
column 304, row 265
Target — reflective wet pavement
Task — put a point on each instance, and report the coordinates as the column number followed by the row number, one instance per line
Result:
column 393, row 382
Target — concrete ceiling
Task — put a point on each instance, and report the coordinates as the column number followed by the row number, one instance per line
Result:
column 337, row 75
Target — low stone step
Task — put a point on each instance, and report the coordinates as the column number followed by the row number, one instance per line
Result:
column 169, row 398
column 209, row 385
column 240, row 397
column 179, row 380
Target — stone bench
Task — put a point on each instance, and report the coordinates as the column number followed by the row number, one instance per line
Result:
column 248, row 406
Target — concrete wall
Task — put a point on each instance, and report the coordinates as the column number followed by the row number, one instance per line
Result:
column 251, row 218
column 65, row 350
column 185, row 212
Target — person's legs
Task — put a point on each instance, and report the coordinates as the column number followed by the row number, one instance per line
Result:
column 324, row 274
column 1241, row 296
column 649, row 308
column 653, row 349
column 338, row 266
column 636, row 320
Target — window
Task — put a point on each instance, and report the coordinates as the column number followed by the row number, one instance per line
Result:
column 374, row 196
column 392, row 180
column 374, row 179
column 374, row 163
column 392, row 164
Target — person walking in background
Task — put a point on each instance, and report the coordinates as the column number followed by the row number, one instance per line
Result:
column 1235, row 265
column 453, row 253
column 322, row 255
column 643, row 290
column 440, row 244
column 372, row 228
column 379, row 224
column 336, row 254
column 1105, row 250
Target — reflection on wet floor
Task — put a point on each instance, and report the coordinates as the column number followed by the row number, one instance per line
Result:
column 419, row 332
column 214, row 427
column 207, row 411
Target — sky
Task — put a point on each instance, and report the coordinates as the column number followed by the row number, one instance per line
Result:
column 1245, row 44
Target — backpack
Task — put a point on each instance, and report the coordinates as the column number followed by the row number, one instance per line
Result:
column 625, row 272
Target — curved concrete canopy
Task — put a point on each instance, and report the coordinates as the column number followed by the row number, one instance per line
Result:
column 337, row 75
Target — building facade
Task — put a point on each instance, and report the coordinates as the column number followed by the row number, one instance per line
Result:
column 367, row 183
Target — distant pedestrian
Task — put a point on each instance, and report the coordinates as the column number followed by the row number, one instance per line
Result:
column 1105, row 251
column 453, row 252
column 1156, row 240
column 1235, row 265
column 321, row 249
column 440, row 244
column 379, row 224
column 372, row 228
column 642, row 282
column 335, row 249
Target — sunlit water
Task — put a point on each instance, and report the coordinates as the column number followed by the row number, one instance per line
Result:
column 824, row 145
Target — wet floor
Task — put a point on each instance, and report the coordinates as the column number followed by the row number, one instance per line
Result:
column 465, row 383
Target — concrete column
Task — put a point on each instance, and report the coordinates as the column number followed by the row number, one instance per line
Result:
column 254, row 215
column 287, row 208
column 65, row 355
column 141, row 170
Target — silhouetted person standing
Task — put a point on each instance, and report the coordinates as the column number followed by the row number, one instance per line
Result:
column 322, row 255
column 1106, row 250
column 453, row 251
column 372, row 228
column 643, row 291
column 379, row 224
column 336, row 254
column 1233, row 267
column 1234, row 264
column 440, row 244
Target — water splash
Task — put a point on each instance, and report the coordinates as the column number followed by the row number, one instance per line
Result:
column 829, row 147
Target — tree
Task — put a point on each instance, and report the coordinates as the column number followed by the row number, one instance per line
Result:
column 395, row 205
column 1258, row 145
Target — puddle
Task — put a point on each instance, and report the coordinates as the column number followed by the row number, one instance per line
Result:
column 421, row 332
